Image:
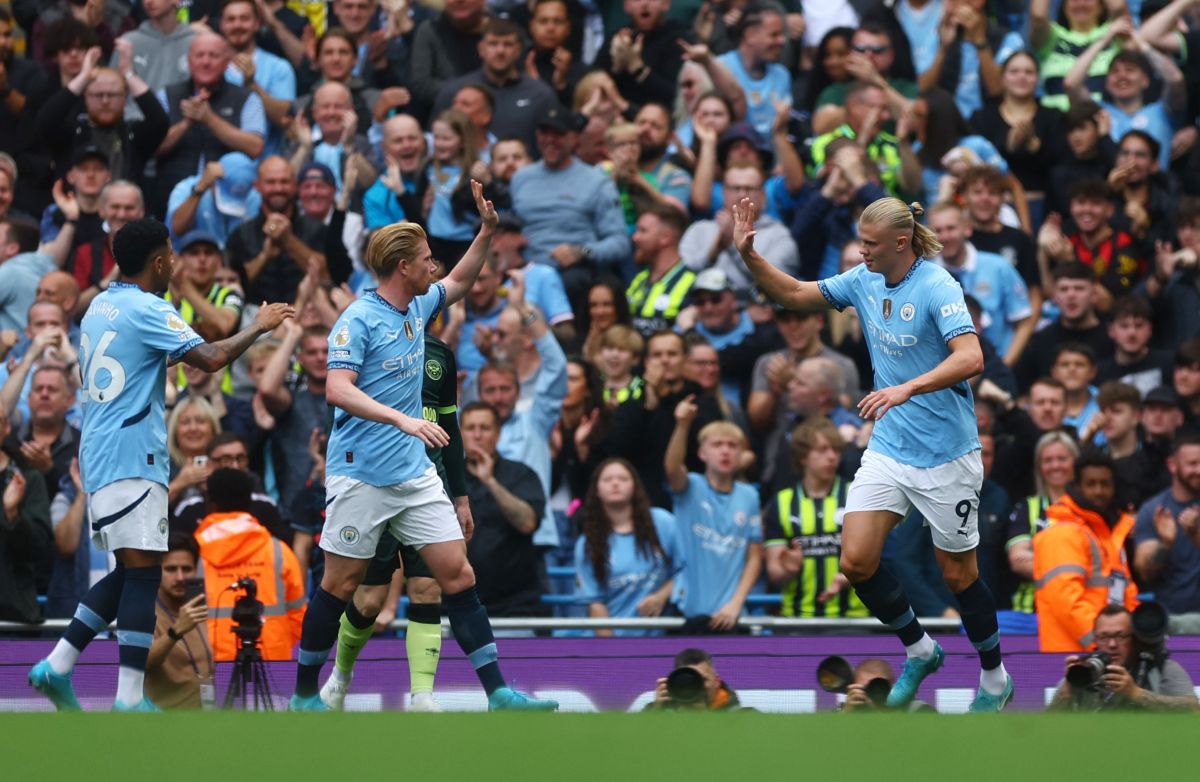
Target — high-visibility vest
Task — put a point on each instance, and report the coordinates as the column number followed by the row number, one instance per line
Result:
column 654, row 306
column 235, row 545
column 1035, row 507
column 217, row 294
column 1079, row 566
column 820, row 525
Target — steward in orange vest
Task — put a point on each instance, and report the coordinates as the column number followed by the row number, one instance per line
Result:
column 233, row 545
column 1079, row 563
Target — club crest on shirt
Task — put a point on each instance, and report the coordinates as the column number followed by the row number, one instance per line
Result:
column 175, row 323
column 887, row 308
column 342, row 337
column 408, row 331
column 433, row 369
column 908, row 312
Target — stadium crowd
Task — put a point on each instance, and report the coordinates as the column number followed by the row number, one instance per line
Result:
column 629, row 404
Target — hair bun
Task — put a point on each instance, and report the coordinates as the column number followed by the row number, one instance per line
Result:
column 916, row 209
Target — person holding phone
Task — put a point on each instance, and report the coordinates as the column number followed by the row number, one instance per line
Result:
column 179, row 670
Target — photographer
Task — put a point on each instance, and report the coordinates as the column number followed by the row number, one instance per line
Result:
column 694, row 684
column 859, row 692
column 1128, row 670
column 179, row 668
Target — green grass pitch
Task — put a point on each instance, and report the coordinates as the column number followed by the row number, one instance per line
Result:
column 739, row 747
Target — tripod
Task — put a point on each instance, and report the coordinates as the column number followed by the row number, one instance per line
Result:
column 249, row 672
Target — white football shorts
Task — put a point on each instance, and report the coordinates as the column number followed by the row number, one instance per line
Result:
column 416, row 512
column 130, row 513
column 947, row 495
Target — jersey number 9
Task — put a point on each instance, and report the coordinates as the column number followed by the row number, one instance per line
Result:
column 92, row 364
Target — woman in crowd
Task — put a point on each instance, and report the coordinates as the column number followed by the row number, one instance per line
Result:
column 606, row 306
column 626, row 556
column 576, row 442
column 1054, row 467
column 829, row 65
column 702, row 366
column 455, row 150
column 190, row 427
column 1029, row 135
column 1080, row 23
column 946, row 143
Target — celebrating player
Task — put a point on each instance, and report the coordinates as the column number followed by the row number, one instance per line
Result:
column 924, row 451
column 423, row 638
column 125, row 336
column 379, row 477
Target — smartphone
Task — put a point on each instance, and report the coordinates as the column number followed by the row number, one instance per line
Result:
column 200, row 461
column 192, row 587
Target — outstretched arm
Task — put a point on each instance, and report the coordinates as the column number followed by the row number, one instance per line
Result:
column 211, row 356
column 462, row 277
column 778, row 285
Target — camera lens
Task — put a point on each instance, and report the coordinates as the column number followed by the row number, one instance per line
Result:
column 685, row 686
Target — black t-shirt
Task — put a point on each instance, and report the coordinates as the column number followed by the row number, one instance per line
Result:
column 1015, row 246
column 280, row 276
column 1038, row 357
column 187, row 515
column 1155, row 369
column 506, row 563
column 1032, row 169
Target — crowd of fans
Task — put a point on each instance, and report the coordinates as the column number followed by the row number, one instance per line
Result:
column 630, row 404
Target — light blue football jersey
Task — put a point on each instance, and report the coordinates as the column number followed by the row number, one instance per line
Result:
column 907, row 328
column 632, row 576
column 715, row 529
column 125, row 341
column 386, row 347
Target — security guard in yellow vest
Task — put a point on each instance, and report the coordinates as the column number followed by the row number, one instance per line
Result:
column 660, row 290
column 883, row 149
column 1028, row 519
column 802, row 529
column 213, row 310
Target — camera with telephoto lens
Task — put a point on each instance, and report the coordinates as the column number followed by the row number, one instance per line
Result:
column 247, row 612
column 835, row 674
column 1150, row 640
column 686, row 688
column 1087, row 673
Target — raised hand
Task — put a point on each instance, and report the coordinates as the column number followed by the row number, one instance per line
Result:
column 1165, row 526
column 686, row 410
column 487, row 210
column 269, row 316
column 66, row 202
column 745, row 212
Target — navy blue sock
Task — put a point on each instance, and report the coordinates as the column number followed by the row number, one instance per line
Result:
column 316, row 639
column 883, row 595
column 471, row 628
column 135, row 616
column 978, row 610
column 97, row 610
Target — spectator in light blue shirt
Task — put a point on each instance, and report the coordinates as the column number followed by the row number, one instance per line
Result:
column 627, row 554
column 755, row 65
column 1129, row 76
column 570, row 210
column 267, row 75
column 21, row 267
column 527, row 423
column 216, row 201
column 721, row 537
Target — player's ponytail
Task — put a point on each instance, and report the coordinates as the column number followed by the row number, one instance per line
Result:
column 895, row 214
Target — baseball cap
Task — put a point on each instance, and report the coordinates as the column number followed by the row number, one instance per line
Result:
column 711, row 281
column 89, row 152
column 744, row 131
column 556, row 117
column 234, row 187
column 1163, row 395
column 192, row 238
column 315, row 170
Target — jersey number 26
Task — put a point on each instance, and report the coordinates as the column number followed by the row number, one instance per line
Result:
column 92, row 365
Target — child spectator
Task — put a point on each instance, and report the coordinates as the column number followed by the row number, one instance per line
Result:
column 983, row 189
column 1089, row 154
column 1075, row 367
column 1116, row 432
column 455, row 151
column 722, row 539
column 620, row 351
